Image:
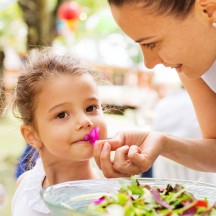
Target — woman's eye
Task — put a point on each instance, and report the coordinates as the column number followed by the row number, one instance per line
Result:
column 62, row 115
column 91, row 108
column 149, row 46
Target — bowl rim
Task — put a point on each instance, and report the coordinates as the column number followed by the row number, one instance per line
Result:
column 153, row 181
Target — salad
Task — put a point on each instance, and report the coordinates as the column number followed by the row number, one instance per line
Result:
column 145, row 200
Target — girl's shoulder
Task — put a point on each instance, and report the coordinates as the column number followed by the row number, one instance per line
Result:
column 21, row 177
column 27, row 195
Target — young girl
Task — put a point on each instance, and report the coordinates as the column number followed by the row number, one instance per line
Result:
column 57, row 99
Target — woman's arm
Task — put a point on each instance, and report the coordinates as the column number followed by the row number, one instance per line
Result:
column 197, row 154
column 136, row 151
column 204, row 101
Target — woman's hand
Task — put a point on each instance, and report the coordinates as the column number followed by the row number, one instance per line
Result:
column 135, row 152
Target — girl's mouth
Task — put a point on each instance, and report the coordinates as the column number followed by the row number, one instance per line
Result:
column 93, row 135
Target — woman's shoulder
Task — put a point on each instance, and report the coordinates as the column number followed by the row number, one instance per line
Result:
column 210, row 77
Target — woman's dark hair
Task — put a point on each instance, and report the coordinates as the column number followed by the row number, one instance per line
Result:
column 179, row 8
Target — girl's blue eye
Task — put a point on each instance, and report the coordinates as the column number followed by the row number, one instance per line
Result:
column 62, row 115
column 91, row 108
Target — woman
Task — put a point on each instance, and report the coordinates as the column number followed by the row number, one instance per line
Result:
column 180, row 34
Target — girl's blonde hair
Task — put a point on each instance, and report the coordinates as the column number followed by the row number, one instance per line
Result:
column 40, row 66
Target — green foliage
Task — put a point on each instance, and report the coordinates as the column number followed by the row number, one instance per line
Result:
column 12, row 28
column 92, row 6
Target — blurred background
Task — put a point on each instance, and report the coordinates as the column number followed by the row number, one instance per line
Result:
column 86, row 29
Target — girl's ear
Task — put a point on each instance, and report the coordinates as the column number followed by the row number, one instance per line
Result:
column 209, row 7
column 30, row 135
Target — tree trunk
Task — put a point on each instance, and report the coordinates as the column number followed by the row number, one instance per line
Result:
column 40, row 20
column 2, row 87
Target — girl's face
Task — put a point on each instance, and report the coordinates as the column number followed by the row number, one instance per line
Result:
column 67, row 109
column 188, row 45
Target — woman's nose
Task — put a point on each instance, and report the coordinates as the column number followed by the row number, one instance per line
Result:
column 151, row 58
column 83, row 122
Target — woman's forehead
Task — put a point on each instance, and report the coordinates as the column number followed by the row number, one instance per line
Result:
column 136, row 22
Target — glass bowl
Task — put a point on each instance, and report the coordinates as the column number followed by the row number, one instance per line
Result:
column 71, row 198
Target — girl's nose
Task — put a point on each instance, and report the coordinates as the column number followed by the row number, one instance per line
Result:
column 83, row 122
column 151, row 58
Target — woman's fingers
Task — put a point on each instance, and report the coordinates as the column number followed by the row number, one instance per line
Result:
column 107, row 165
column 141, row 160
column 115, row 143
column 127, row 161
column 130, row 160
column 122, row 162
